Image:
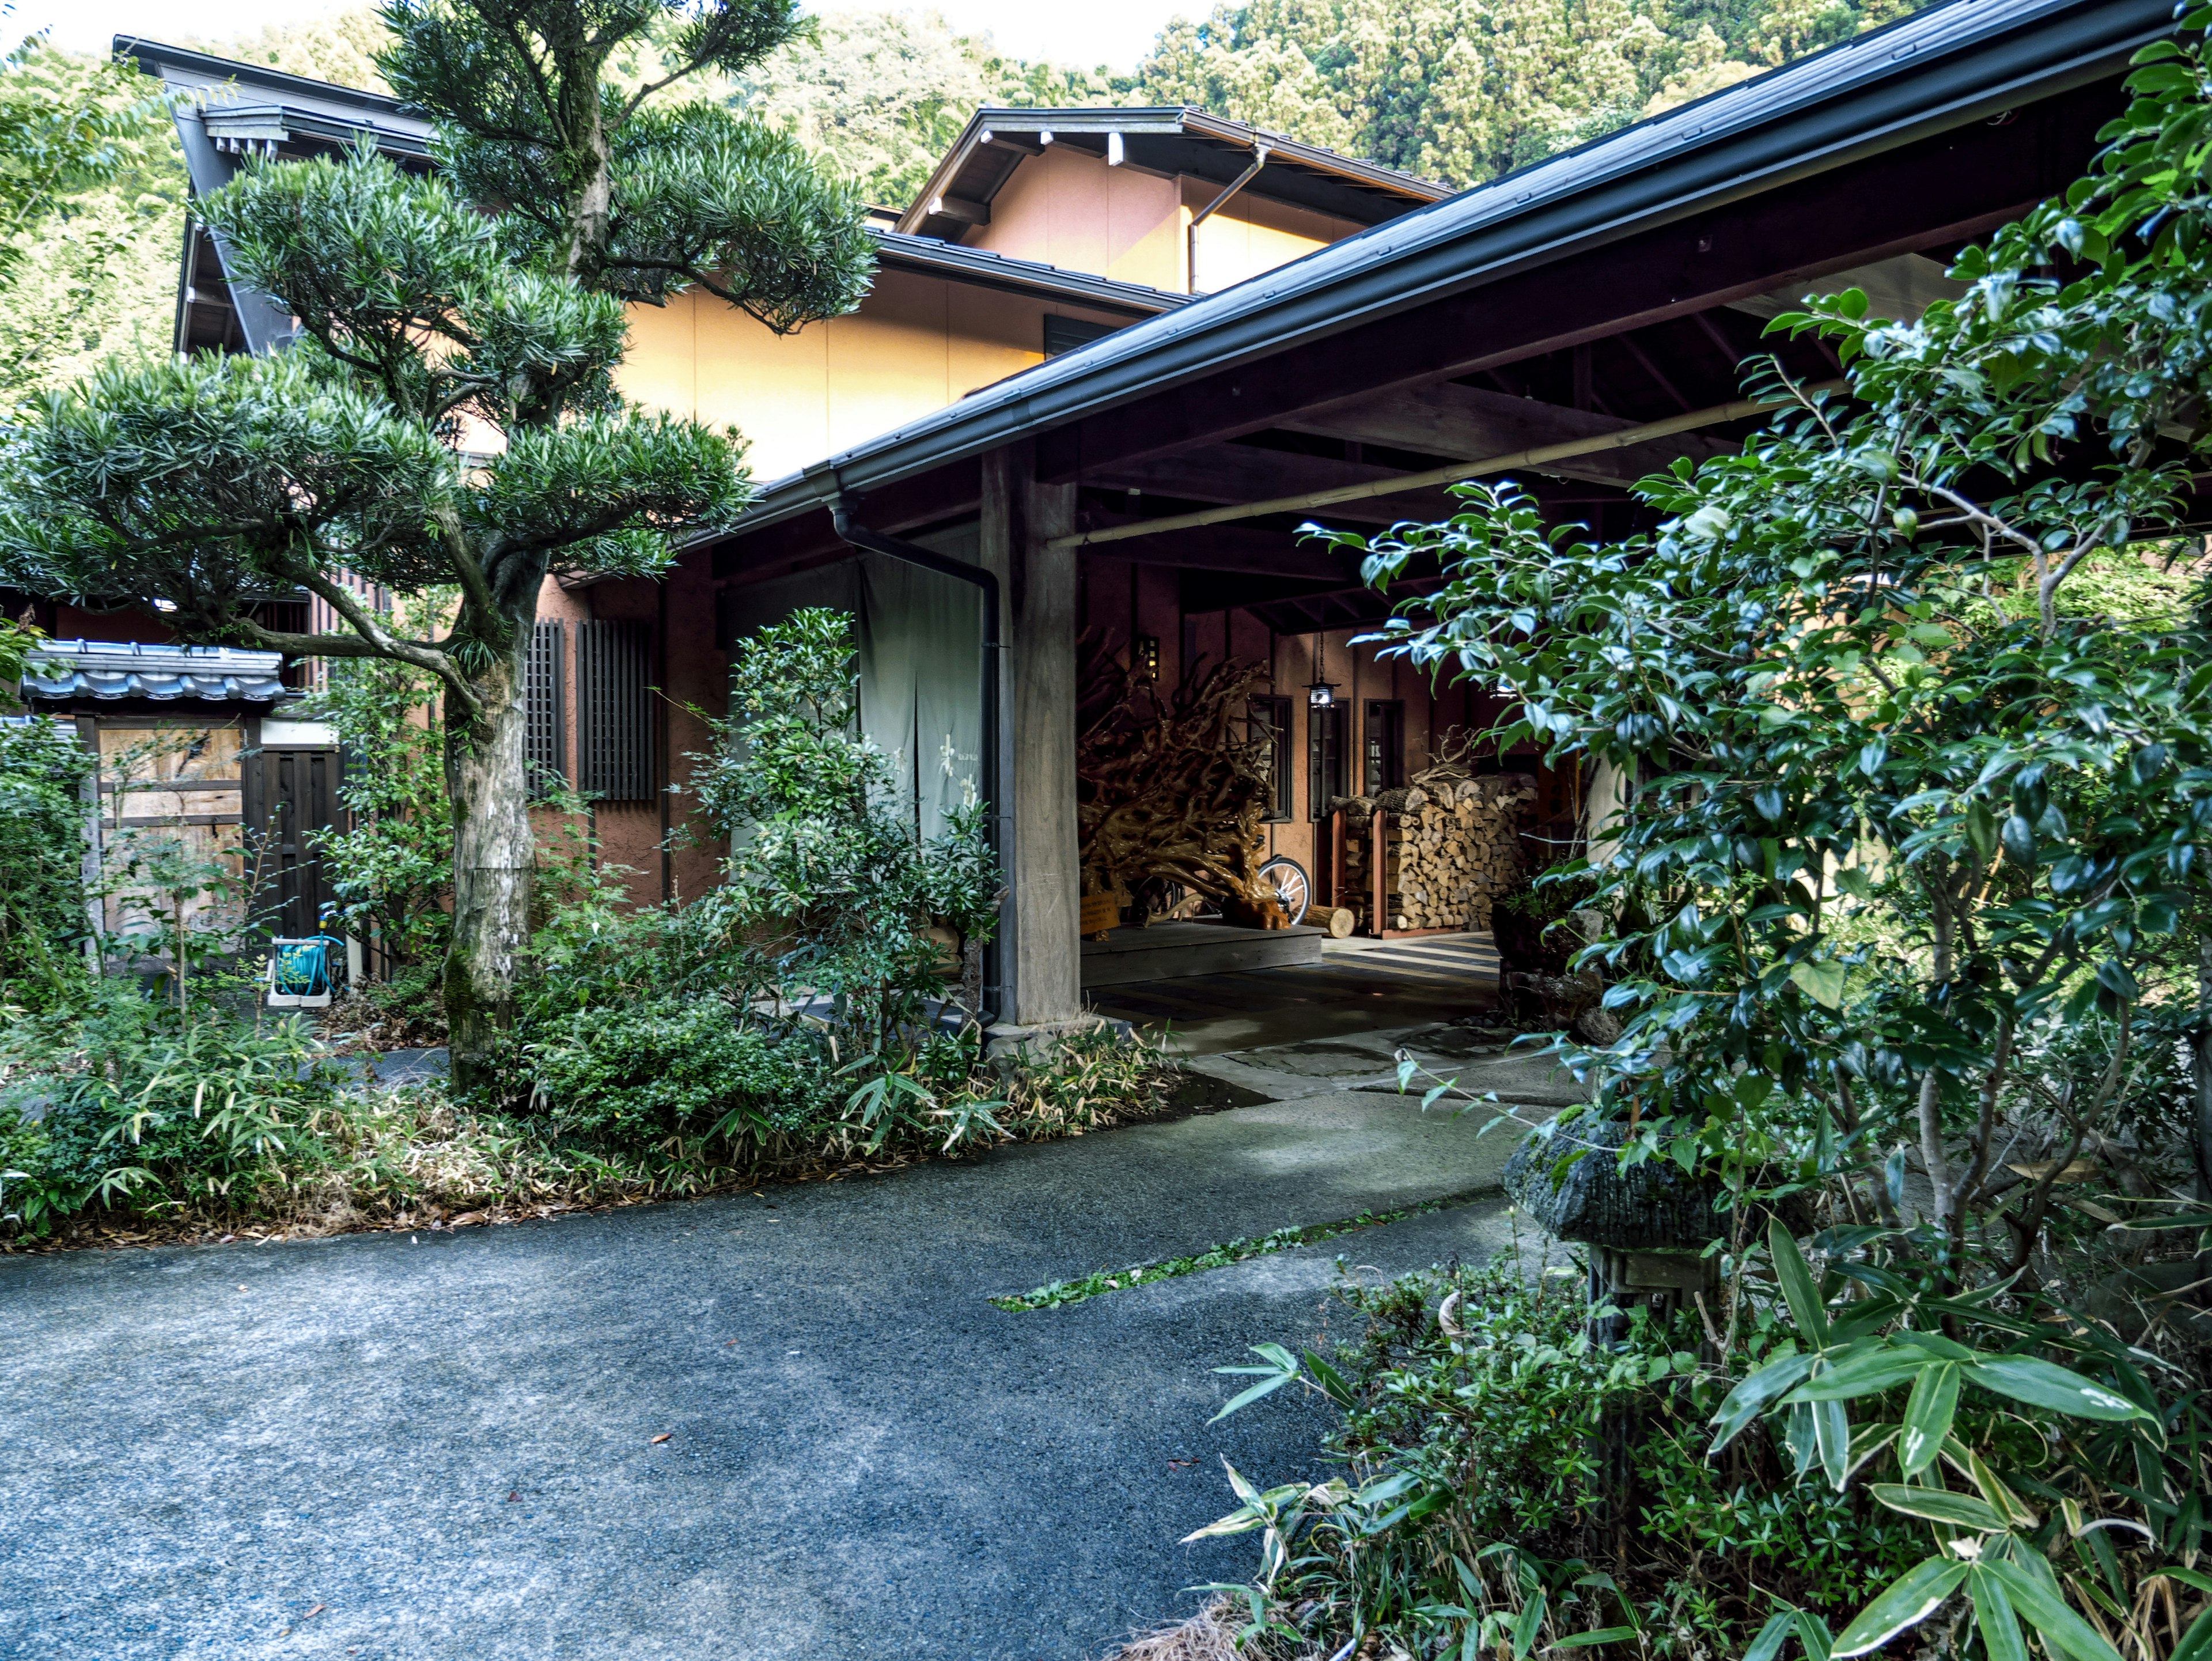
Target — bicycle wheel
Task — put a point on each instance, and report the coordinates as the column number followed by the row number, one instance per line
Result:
column 1293, row 891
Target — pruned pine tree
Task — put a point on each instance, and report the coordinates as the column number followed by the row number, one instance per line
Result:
column 447, row 415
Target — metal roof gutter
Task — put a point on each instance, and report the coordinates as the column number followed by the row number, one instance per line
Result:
column 1936, row 69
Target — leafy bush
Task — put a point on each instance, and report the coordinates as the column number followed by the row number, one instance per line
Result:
column 636, row 1073
column 806, row 993
column 392, row 870
column 1478, row 1515
column 44, row 920
column 121, row 1102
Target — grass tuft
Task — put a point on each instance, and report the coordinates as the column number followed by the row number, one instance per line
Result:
column 1061, row 1293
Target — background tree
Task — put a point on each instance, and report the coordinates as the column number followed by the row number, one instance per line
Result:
column 427, row 324
column 1463, row 90
column 92, row 210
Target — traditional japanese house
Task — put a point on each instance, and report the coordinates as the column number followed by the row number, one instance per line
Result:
column 1115, row 360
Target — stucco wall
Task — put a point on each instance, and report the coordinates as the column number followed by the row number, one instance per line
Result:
column 916, row 344
column 1253, row 234
column 1068, row 208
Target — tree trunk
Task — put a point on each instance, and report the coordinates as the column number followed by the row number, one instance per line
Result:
column 488, row 783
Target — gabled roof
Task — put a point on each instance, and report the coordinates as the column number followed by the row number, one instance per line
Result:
column 111, row 670
column 1171, row 140
column 1932, row 72
column 231, row 110
column 241, row 103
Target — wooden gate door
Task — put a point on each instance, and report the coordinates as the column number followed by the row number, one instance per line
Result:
column 290, row 795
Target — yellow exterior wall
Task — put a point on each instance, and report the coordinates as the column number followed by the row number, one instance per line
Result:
column 1253, row 234
column 916, row 344
column 1068, row 208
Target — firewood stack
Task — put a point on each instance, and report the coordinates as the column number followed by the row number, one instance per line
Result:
column 1450, row 847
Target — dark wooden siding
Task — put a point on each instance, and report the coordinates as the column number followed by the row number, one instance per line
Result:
column 290, row 795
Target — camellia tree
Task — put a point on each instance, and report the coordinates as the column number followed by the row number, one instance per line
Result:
column 1907, row 895
column 446, row 415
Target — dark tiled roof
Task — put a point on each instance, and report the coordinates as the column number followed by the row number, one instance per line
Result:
column 1027, row 276
column 113, row 670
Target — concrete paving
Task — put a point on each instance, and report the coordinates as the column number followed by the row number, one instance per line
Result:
column 444, row 1445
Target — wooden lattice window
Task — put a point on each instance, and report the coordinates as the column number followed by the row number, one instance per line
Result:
column 614, row 692
column 1271, row 726
column 1326, row 730
column 545, row 735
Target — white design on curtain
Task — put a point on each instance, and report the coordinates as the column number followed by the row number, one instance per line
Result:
column 920, row 649
column 920, row 677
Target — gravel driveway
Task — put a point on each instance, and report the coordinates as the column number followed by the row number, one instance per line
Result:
column 449, row 1444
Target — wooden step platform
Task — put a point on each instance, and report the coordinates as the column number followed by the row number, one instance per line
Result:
column 1173, row 951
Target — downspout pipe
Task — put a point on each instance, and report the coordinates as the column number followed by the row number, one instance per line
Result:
column 987, row 583
column 1190, row 254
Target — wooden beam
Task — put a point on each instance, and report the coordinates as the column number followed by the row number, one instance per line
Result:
column 1927, row 194
column 1239, row 547
column 1245, row 473
column 1449, row 419
column 1348, row 499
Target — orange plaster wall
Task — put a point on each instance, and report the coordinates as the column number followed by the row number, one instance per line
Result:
column 916, row 343
column 1068, row 208
column 1253, row 234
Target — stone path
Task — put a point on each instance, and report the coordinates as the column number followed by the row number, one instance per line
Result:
column 445, row 1446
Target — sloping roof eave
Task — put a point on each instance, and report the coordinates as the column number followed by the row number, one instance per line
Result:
column 1936, row 68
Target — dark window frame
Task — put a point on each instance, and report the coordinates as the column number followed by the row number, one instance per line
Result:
column 1382, row 747
column 545, row 741
column 1270, row 716
column 1327, row 731
column 617, row 722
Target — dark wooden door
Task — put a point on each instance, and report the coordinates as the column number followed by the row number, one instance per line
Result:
column 290, row 795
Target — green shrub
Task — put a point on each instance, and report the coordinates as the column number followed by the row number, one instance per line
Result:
column 1473, row 1511
column 121, row 1102
column 44, row 920
column 638, row 1072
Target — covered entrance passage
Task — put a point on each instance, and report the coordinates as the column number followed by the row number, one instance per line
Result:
column 1357, row 986
column 1150, row 497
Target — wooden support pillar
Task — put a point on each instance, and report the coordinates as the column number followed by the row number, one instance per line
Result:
column 1040, row 956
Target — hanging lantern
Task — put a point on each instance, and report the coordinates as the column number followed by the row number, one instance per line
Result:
column 1321, row 694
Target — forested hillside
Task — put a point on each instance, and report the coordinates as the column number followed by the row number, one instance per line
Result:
column 1458, row 90
column 1462, row 90
column 91, row 259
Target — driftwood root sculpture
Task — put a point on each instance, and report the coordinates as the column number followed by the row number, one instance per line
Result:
column 1174, row 786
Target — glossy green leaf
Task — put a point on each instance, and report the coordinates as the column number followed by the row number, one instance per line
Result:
column 1957, row 1510
column 1806, row 1307
column 1911, row 1599
column 1527, row 1625
column 1583, row 1640
column 2042, row 1385
column 2054, row 1619
column 1756, row 1394
column 1822, row 982
column 1928, row 1416
column 1863, row 1375
column 1993, row 1613
column 1771, row 1637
